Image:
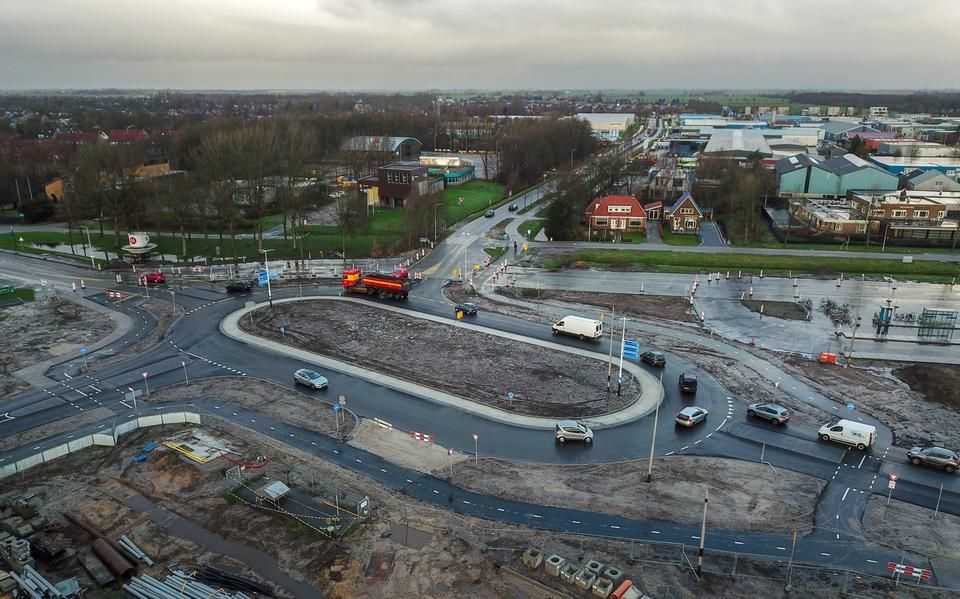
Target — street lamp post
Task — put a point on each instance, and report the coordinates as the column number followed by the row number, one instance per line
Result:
column 173, row 298
column 703, row 531
column 145, row 383
column 186, row 379
column 435, row 206
column 266, row 265
column 90, row 245
column 133, row 395
column 653, row 443
column 476, row 449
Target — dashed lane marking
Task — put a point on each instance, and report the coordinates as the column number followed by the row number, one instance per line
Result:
column 382, row 470
column 782, row 548
column 844, row 498
column 656, row 532
column 575, row 521
column 871, row 561
column 684, row 448
column 738, row 542
column 500, row 509
column 824, row 554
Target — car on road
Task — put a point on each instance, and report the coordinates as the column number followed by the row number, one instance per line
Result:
column 489, row 214
column 310, row 378
column 691, row 416
column 154, row 278
column 239, row 286
column 572, row 430
column 468, row 308
column 935, row 456
column 776, row 414
column 654, row 358
column 688, row 383
column 513, row 208
column 848, row 432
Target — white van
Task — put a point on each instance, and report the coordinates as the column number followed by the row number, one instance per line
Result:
column 584, row 328
column 858, row 434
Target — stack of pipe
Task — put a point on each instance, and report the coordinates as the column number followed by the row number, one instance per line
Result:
column 176, row 586
column 35, row 585
column 135, row 551
column 231, row 581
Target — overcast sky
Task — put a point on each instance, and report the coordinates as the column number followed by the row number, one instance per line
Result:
column 488, row 44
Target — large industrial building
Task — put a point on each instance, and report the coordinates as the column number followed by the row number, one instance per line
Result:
column 608, row 126
column 808, row 176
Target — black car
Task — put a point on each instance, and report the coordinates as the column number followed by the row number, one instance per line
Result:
column 513, row 208
column 688, row 383
column 489, row 214
column 468, row 308
column 239, row 286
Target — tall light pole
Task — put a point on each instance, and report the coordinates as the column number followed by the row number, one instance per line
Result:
column 266, row 265
column 623, row 337
column 186, row 379
column 133, row 394
column 145, row 384
column 703, row 531
column 173, row 298
column 90, row 245
column 653, row 443
column 476, row 449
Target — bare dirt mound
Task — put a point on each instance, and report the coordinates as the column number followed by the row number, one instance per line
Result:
column 936, row 382
column 477, row 366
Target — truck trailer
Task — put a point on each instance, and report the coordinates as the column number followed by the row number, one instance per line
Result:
column 395, row 285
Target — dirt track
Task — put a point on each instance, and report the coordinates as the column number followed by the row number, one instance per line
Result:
column 477, row 366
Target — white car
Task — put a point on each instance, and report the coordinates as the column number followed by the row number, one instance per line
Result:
column 573, row 431
column 309, row 378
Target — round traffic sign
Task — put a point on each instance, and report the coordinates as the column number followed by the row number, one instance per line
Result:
column 510, row 394
column 850, row 405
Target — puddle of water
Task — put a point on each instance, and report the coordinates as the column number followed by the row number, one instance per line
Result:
column 409, row 536
column 258, row 561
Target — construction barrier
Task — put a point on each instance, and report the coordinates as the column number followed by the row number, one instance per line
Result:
column 383, row 424
column 827, row 358
column 422, row 437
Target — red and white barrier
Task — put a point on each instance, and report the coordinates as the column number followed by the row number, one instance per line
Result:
column 421, row 437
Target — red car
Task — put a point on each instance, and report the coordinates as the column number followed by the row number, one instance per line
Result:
column 154, row 278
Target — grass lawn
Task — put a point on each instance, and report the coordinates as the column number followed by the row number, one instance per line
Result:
column 495, row 252
column 875, row 246
column 671, row 238
column 534, row 225
column 693, row 262
column 633, row 238
column 477, row 197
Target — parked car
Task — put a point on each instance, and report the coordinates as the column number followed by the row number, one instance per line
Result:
column 776, row 414
column 572, row 430
column 154, row 278
column 468, row 308
column 239, row 286
column 489, row 214
column 654, row 358
column 688, row 383
column 935, row 456
column 513, row 208
column 690, row 416
column 309, row 378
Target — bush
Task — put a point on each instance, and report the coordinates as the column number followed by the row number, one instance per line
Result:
column 38, row 210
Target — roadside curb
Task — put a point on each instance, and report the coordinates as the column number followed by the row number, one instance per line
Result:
column 650, row 396
column 122, row 324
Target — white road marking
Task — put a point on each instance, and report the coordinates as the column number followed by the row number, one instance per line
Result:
column 434, row 490
column 656, row 532
column 824, row 554
column 670, row 453
column 721, row 424
column 684, row 448
column 698, row 442
column 575, row 521
column 313, row 442
column 409, row 481
column 617, row 527
column 536, row 515
column 862, row 460
column 69, row 378
column 359, row 461
column 81, row 392
column 234, row 413
column 782, row 548
column 696, row 537
column 844, row 498
column 738, row 542
column 128, row 406
column 382, row 470
column 500, row 509
column 465, row 501
column 94, row 388
column 871, row 561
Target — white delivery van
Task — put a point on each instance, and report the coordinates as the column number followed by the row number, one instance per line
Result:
column 584, row 328
column 858, row 434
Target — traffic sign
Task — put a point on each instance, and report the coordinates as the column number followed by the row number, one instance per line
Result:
column 336, row 407
column 892, row 484
column 342, row 400
column 83, row 350
column 631, row 349
column 475, row 436
column 510, row 394
column 849, row 405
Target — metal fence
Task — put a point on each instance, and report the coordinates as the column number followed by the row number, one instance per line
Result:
column 104, row 434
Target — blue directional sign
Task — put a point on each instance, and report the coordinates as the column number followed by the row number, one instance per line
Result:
column 510, row 394
column 850, row 405
column 336, row 407
column 83, row 350
column 631, row 349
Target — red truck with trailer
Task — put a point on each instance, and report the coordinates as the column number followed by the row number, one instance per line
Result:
column 395, row 285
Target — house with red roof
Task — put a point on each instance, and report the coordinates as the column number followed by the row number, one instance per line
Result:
column 75, row 138
column 616, row 215
column 127, row 136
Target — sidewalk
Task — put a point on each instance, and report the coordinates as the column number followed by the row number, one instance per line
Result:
column 34, row 374
column 650, row 396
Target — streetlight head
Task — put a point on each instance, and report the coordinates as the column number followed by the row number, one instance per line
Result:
column 183, row 363
column 143, row 374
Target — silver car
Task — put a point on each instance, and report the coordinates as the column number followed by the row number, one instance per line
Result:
column 935, row 456
column 309, row 378
column 571, row 430
column 690, row 416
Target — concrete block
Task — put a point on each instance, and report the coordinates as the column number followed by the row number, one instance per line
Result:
column 594, row 567
column 36, row 523
column 553, row 564
column 602, row 587
column 584, row 579
column 613, row 574
column 567, row 572
column 532, row 558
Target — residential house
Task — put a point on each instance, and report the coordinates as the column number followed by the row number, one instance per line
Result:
column 616, row 215
column 654, row 210
column 126, row 136
column 916, row 215
column 828, row 216
column 76, row 138
column 684, row 215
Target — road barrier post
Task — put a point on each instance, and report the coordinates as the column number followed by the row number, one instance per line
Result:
column 703, row 531
column 790, row 566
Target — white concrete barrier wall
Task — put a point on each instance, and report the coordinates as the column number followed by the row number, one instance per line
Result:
column 105, row 439
column 176, row 418
column 145, row 421
column 56, row 452
column 81, row 443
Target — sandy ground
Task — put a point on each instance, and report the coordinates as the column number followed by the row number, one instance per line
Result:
column 745, row 498
column 60, row 426
column 479, row 367
column 42, row 332
column 906, row 526
column 310, row 410
column 774, row 309
column 400, row 448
